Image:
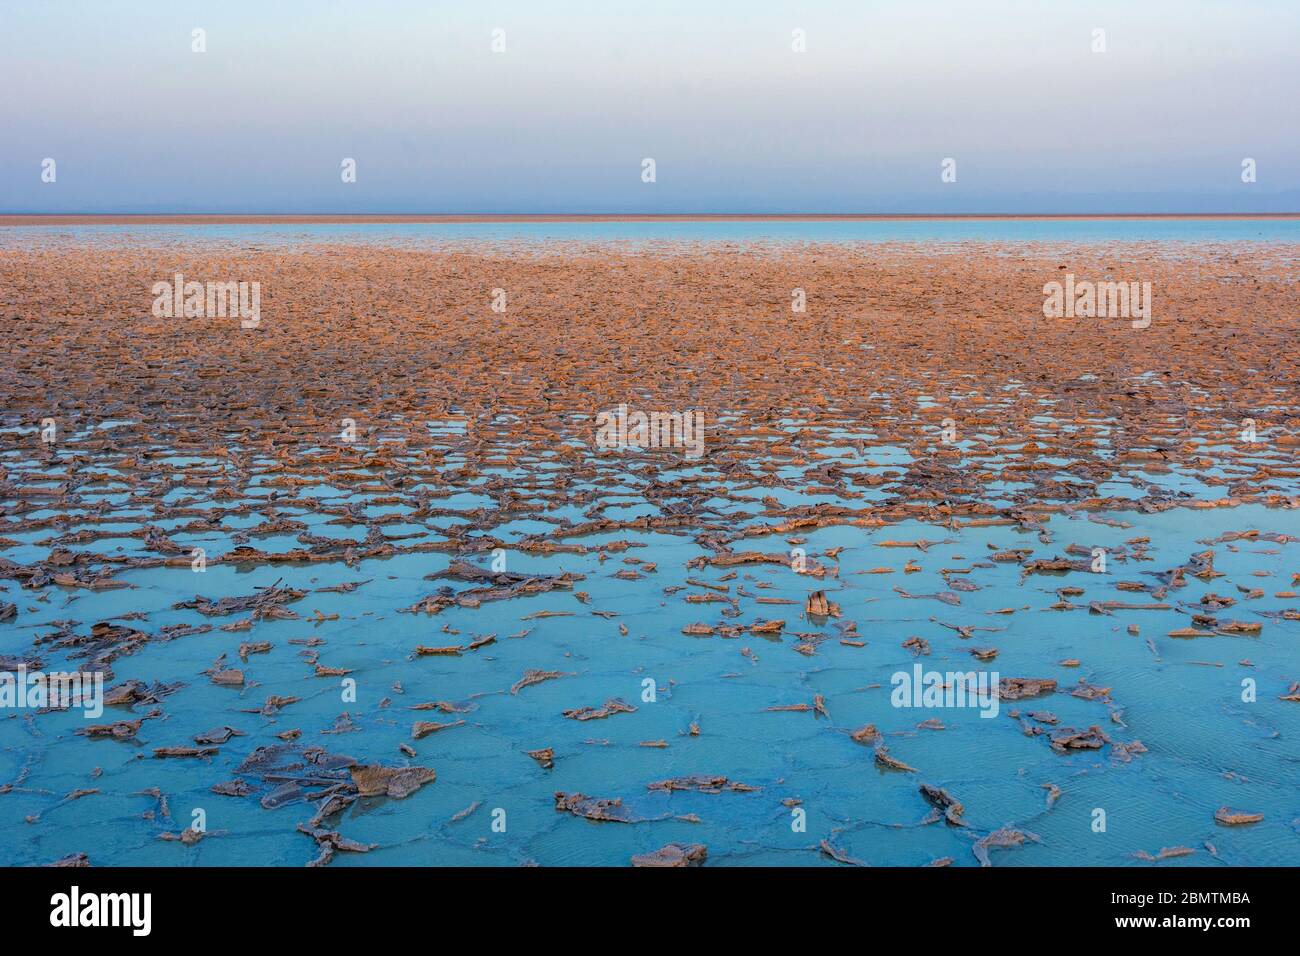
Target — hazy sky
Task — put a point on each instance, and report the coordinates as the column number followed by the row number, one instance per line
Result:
column 711, row 89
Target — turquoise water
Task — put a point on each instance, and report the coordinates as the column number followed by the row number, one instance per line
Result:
column 748, row 231
column 1205, row 747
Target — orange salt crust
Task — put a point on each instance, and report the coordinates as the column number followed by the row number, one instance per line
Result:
column 895, row 341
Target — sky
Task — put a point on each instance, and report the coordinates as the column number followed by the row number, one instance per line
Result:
column 712, row 90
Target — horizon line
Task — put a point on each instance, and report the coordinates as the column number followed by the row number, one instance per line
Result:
column 38, row 219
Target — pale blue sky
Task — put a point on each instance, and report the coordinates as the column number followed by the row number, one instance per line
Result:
column 736, row 121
